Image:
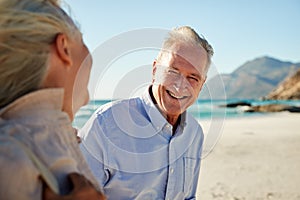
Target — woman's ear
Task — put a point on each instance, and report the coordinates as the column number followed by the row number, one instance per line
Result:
column 63, row 49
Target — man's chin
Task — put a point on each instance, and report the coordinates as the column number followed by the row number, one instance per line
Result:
column 87, row 99
column 174, row 110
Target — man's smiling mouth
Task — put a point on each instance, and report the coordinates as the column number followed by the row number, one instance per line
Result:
column 174, row 96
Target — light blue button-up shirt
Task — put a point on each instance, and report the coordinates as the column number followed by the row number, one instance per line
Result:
column 133, row 154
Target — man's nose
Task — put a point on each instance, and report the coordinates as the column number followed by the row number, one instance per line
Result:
column 181, row 83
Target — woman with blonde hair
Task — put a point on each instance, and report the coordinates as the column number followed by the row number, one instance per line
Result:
column 44, row 72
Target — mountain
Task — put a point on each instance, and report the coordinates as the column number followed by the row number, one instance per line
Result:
column 254, row 79
column 289, row 89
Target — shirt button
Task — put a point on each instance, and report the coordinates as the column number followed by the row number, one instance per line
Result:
column 171, row 170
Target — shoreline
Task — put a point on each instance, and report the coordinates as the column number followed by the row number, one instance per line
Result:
column 255, row 158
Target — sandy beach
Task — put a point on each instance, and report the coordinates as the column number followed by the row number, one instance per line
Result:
column 255, row 158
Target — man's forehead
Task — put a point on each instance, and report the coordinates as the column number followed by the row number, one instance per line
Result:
column 187, row 50
column 193, row 54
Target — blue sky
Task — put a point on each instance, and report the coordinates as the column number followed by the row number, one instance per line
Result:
column 239, row 30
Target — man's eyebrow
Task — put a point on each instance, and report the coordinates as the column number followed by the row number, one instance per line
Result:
column 173, row 67
column 196, row 76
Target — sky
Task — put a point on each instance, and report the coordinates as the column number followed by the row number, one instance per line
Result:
column 238, row 30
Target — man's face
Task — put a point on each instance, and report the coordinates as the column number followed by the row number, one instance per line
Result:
column 178, row 78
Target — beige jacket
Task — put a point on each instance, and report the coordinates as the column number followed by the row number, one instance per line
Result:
column 37, row 121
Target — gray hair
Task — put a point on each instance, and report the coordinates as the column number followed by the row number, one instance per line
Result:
column 186, row 34
column 27, row 30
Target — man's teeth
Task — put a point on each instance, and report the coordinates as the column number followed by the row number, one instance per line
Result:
column 175, row 96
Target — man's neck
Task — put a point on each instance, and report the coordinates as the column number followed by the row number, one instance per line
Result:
column 174, row 121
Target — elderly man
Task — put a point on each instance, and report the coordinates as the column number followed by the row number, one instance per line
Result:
column 149, row 147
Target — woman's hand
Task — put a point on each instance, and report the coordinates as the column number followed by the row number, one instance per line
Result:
column 82, row 190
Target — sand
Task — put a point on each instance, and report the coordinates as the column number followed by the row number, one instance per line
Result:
column 255, row 158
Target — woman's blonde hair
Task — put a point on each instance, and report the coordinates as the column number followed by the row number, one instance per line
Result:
column 27, row 30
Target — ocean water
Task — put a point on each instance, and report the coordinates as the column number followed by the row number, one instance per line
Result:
column 202, row 109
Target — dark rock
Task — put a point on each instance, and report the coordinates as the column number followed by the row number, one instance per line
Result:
column 236, row 104
column 293, row 109
column 273, row 108
column 288, row 89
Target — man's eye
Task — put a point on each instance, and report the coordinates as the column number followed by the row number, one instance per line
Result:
column 193, row 78
column 171, row 71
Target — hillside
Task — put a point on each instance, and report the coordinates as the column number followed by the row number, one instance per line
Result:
column 254, row 79
column 289, row 89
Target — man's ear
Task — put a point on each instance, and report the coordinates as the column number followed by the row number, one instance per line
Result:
column 63, row 49
column 153, row 70
column 203, row 81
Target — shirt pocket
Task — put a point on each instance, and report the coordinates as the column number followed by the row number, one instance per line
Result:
column 190, row 169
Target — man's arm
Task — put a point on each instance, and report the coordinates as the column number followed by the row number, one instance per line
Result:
column 93, row 148
column 198, row 157
column 195, row 181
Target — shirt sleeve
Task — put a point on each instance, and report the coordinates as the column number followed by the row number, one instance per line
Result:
column 197, row 160
column 94, row 150
column 195, row 180
column 18, row 175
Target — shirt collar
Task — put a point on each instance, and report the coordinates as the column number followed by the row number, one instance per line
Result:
column 50, row 99
column 157, row 119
